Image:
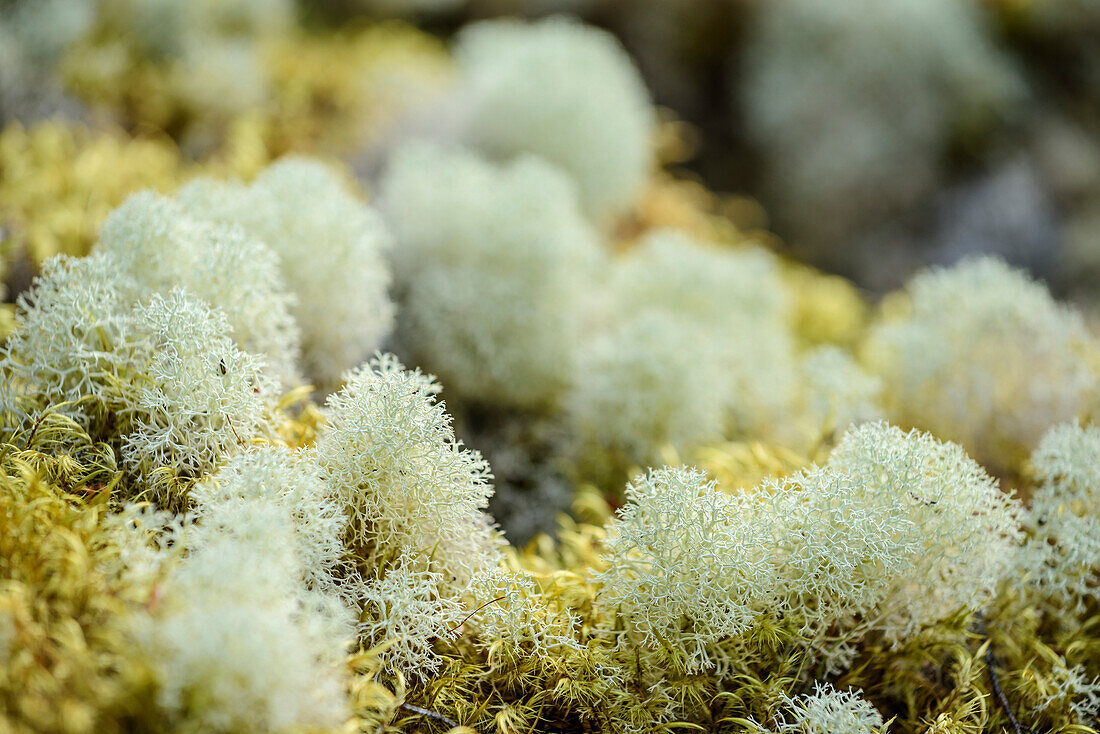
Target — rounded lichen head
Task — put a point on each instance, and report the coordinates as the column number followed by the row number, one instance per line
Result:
column 565, row 92
column 982, row 354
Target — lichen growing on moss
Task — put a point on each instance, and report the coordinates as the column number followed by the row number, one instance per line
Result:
column 192, row 539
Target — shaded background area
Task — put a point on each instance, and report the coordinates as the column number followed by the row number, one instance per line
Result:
column 877, row 136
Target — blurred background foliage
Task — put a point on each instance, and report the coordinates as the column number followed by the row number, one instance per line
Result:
column 878, row 136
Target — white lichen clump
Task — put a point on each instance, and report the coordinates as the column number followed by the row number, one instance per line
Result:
column 76, row 345
column 1062, row 555
column 906, row 532
column 159, row 375
column 565, row 92
column 158, row 244
column 202, row 398
column 986, row 357
column 416, row 499
column 513, row 618
column 407, row 611
column 837, row 392
column 229, row 641
column 683, row 565
column 331, row 250
column 828, row 711
column 246, row 621
column 646, row 384
column 931, row 493
column 698, row 346
column 671, row 271
column 412, row 490
column 495, row 264
column 274, row 476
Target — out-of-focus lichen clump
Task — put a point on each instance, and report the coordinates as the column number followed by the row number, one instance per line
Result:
column 984, row 355
column 495, row 264
column 296, row 206
column 854, row 104
column 566, row 93
column 256, row 407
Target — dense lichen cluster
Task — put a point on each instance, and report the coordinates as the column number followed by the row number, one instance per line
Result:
column 734, row 495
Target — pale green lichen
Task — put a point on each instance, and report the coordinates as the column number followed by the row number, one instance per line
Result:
column 567, row 93
column 983, row 355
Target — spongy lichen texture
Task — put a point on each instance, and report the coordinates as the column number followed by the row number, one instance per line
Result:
column 783, row 508
column 300, row 209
